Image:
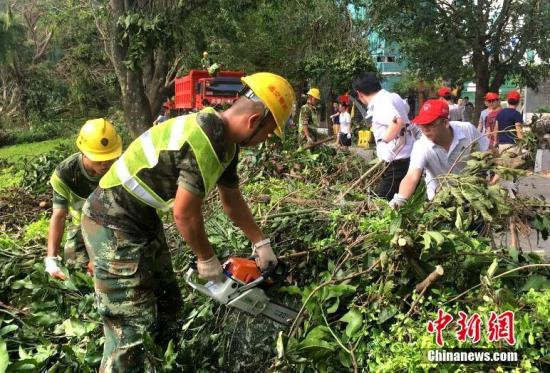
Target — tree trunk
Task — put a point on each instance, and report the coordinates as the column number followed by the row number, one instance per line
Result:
column 481, row 68
column 137, row 111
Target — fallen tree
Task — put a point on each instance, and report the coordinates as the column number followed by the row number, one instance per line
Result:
column 365, row 279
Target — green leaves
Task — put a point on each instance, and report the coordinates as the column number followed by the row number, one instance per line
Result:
column 4, row 357
column 354, row 319
column 433, row 238
column 76, row 328
column 318, row 338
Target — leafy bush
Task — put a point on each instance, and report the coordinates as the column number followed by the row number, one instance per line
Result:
column 42, row 131
column 37, row 231
column 37, row 171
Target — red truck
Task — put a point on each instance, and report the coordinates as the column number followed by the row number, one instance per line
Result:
column 198, row 89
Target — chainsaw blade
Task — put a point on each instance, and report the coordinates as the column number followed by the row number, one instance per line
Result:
column 279, row 313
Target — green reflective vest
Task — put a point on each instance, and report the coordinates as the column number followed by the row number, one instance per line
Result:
column 143, row 153
column 75, row 201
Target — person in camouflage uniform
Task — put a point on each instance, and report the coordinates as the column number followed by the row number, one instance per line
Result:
column 309, row 118
column 73, row 180
column 172, row 166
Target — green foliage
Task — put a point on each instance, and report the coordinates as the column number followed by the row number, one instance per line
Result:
column 340, row 67
column 38, row 171
column 353, row 267
column 17, row 153
column 436, row 38
column 37, row 231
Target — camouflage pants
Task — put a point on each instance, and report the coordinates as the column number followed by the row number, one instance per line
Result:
column 136, row 293
column 75, row 254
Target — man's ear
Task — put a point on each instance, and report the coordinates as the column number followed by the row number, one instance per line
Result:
column 253, row 120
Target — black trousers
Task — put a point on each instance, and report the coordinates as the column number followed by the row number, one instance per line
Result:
column 389, row 183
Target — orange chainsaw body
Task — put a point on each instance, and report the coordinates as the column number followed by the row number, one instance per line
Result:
column 242, row 269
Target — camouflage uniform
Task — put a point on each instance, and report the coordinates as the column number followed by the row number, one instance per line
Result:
column 136, row 289
column 310, row 118
column 73, row 174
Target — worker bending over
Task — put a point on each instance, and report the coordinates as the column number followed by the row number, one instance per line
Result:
column 173, row 166
column 73, row 180
column 443, row 148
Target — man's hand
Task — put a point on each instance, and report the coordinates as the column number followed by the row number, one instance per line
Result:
column 397, row 201
column 210, row 269
column 265, row 257
column 50, row 262
column 349, row 136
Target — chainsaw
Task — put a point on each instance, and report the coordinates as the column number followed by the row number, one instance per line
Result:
column 243, row 289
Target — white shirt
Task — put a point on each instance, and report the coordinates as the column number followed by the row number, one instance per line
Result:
column 345, row 122
column 437, row 162
column 454, row 113
column 385, row 107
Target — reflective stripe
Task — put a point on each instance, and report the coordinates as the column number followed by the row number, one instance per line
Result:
column 134, row 187
column 149, row 148
column 176, row 134
column 122, row 170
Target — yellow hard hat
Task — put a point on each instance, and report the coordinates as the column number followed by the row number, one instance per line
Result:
column 205, row 54
column 315, row 93
column 276, row 93
column 99, row 141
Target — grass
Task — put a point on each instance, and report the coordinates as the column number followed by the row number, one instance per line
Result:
column 11, row 174
column 15, row 152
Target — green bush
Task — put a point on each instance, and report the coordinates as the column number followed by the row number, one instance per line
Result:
column 44, row 131
column 37, row 171
column 37, row 231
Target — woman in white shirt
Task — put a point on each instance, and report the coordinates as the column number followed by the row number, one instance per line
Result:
column 344, row 137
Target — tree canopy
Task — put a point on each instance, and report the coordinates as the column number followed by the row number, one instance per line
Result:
column 485, row 41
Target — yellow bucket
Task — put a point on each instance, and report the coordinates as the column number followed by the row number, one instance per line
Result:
column 364, row 138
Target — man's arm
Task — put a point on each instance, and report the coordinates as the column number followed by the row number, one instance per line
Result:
column 237, row 210
column 410, row 182
column 189, row 221
column 392, row 132
column 55, row 233
column 519, row 132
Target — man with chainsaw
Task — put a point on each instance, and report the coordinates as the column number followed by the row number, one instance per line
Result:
column 444, row 147
column 73, row 180
column 391, row 130
column 173, row 166
column 309, row 118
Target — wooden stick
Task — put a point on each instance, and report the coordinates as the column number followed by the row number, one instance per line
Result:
column 432, row 277
column 363, row 177
column 314, row 144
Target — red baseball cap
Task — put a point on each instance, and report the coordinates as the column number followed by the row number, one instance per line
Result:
column 431, row 111
column 513, row 95
column 443, row 91
column 490, row 96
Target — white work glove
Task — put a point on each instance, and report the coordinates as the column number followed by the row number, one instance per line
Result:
column 210, row 269
column 50, row 262
column 397, row 201
column 349, row 135
column 265, row 257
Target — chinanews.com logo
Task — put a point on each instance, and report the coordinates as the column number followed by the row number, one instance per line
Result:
column 499, row 327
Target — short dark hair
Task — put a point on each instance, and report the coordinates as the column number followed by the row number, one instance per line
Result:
column 512, row 101
column 448, row 97
column 367, row 83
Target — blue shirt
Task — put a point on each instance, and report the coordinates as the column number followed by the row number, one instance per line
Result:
column 507, row 119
